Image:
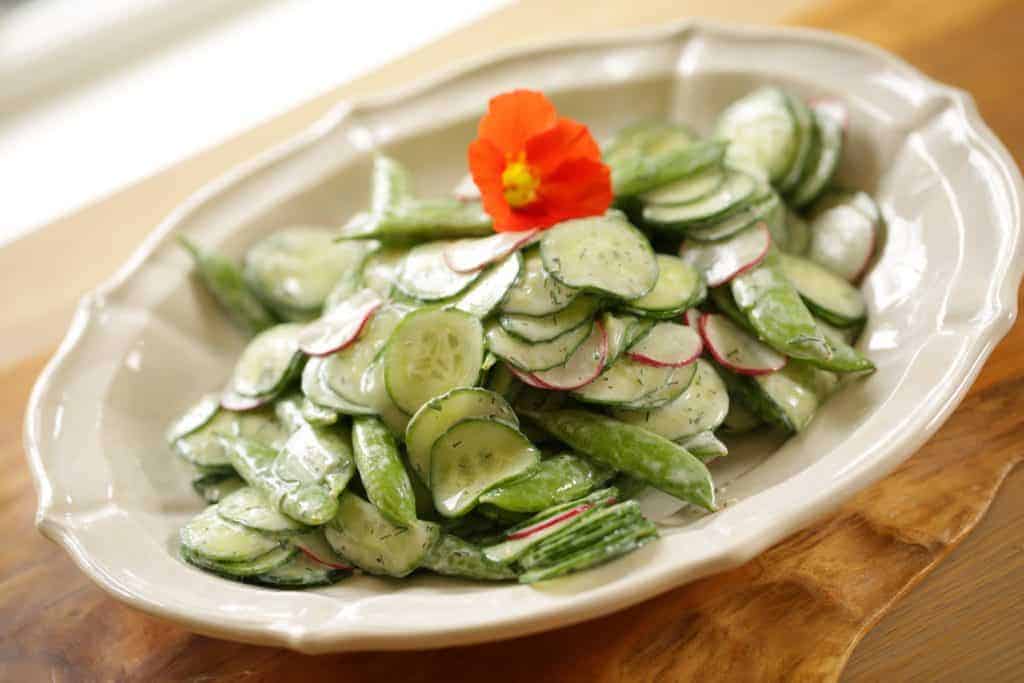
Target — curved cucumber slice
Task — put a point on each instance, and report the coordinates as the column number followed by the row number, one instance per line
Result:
column 647, row 156
column 686, row 190
column 678, row 287
column 270, row 360
column 226, row 283
column 604, row 254
column 473, row 456
column 317, row 415
column 316, row 389
column 381, row 268
column 734, row 193
column 630, row 383
column 617, row 330
column 203, row 448
column 535, row 356
column 453, row 556
column 798, row 234
column 702, row 407
column 493, row 287
column 425, row 275
column 842, row 240
column 740, row 419
column 195, row 418
column 545, row 328
column 722, row 261
column 806, row 139
column 558, row 479
column 439, row 414
column 242, row 569
column 762, row 131
column 363, row 536
column 300, row 571
column 761, row 210
column 250, row 508
column 382, row 472
column 430, row 352
column 826, row 160
column 536, row 292
column 826, row 294
column 343, row 371
column 211, row 536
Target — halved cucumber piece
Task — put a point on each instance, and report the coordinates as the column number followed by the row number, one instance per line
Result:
column 204, row 449
column 381, row 268
column 425, row 275
column 686, row 190
column 735, row 350
column 617, row 329
column 762, row 210
column 300, row 571
column 558, row 479
column 376, row 391
column 493, row 287
column 678, row 287
column 740, row 419
column 269, row 362
column 250, row 508
column 363, row 536
column 678, row 381
column 195, row 418
column 316, row 389
column 825, row 161
column 842, row 238
column 452, row 556
column 702, row 407
column 668, row 345
column 437, row 415
column 473, row 456
column 415, row 220
column 722, row 261
column 603, row 254
column 630, row 383
column 545, row 328
column 586, row 363
column 825, row 293
column 735, row 192
column 806, row 136
column 242, row 569
column 430, row 352
column 535, row 356
column 211, row 536
column 762, row 131
column 536, row 292
column 343, row 371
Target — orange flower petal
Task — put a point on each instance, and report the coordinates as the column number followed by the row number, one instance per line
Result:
column 579, row 187
column 513, row 117
column 567, row 140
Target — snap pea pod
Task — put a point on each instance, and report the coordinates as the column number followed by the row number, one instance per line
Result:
column 590, row 530
column 453, row 556
column 555, row 480
column 224, row 280
column 643, row 454
column 416, row 220
column 844, row 358
column 721, row 297
column 636, row 171
column 381, row 470
column 704, row 445
column 619, row 543
column 774, row 309
column 203, row 449
column 390, row 184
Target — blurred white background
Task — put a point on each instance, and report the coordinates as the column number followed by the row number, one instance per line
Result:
column 95, row 94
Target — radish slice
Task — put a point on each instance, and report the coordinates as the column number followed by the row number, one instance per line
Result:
column 842, row 240
column 341, row 325
column 667, row 345
column 722, row 261
column 526, row 378
column 470, row 255
column 237, row 403
column 583, row 366
column 692, row 318
column 466, row 190
column 736, row 350
column 315, row 547
column 549, row 522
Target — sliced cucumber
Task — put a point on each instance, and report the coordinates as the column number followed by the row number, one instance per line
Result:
column 250, row 508
column 343, row 371
column 439, row 414
column 536, row 292
column 630, row 383
column 548, row 327
column 244, row 568
column 647, row 155
column 740, row 419
column 778, row 398
column 842, row 239
column 430, row 352
column 300, row 571
column 195, row 418
column 806, row 139
column 269, row 362
column 702, row 407
column 798, row 234
column 825, row 293
column 473, row 456
column 586, row 363
column 376, row 391
column 318, row 415
column 720, row 262
column 381, row 268
column 617, row 329
column 738, row 190
column 453, row 556
column 216, row 486
column 493, row 286
column 558, row 479
column 204, row 449
column 826, row 160
column 762, row 131
column 678, row 287
column 535, row 356
column 686, row 190
column 425, row 275
column 604, row 254
column 317, row 390
column 363, row 536
column 760, row 211
column 678, row 381
column 211, row 536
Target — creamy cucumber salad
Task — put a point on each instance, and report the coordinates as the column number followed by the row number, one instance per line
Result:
column 422, row 394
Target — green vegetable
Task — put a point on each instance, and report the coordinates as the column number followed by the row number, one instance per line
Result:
column 381, row 470
column 224, row 280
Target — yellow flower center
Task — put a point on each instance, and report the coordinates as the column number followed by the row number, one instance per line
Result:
column 520, row 183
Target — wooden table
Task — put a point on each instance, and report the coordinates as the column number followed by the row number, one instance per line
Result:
column 795, row 613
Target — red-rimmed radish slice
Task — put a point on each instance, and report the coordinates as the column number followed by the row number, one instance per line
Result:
column 722, row 261
column 341, row 325
column 525, row 377
column 692, row 318
column 466, row 190
column 736, row 350
column 470, row 255
column 315, row 547
column 583, row 366
column 842, row 240
column 668, row 345
column 549, row 522
column 238, row 403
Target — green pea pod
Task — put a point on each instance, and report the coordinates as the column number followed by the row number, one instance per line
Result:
column 453, row 556
column 417, row 220
column 381, row 470
column 590, row 531
column 643, row 454
column 776, row 312
column 844, row 358
column 619, row 543
column 390, row 184
column 555, row 480
column 224, row 280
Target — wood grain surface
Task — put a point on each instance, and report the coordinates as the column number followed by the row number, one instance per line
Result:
column 794, row 613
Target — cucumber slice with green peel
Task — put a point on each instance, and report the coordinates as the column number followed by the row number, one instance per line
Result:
column 603, row 254
column 826, row 294
column 630, row 383
column 376, row 391
column 798, row 234
column 613, row 546
column 250, row 508
column 318, row 415
column 211, row 536
column 738, row 190
column 776, row 311
column 668, row 345
column 216, row 486
column 637, row 331
column 363, row 536
column 390, row 184
column 294, row 269
column 225, row 281
column 439, row 414
column 452, row 556
column 660, row 160
column 678, row 286
column 558, row 479
column 317, row 390
column 501, row 381
column 806, row 135
column 473, row 456
column 314, row 545
column 842, row 240
column 536, row 293
column 759, row 211
column 777, row 398
column 531, row 357
column 705, row 446
column 676, row 383
column 300, row 571
column 416, row 220
column 735, row 350
column 825, row 161
column 702, row 407
column 548, row 327
column 470, row 255
column 721, row 261
column 486, row 294
column 633, row 450
column 203, row 447
column 425, row 275
column 430, row 352
column 340, row 326
column 762, row 131
column 381, row 268
column 343, row 371
column 195, row 418
column 269, row 362
column 617, row 328
column 382, row 471
column 740, row 419
column 685, row 190
column 585, row 364
column 241, row 569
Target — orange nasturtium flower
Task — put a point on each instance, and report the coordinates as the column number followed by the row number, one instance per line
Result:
column 535, row 168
